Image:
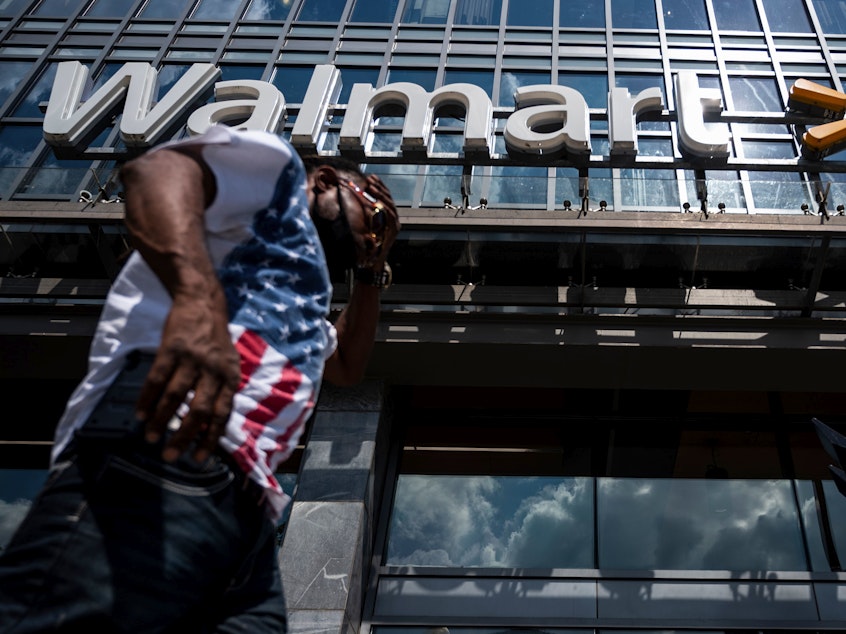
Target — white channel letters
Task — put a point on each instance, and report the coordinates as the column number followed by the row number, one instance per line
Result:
column 548, row 121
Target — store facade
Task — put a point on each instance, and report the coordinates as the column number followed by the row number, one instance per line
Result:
column 618, row 298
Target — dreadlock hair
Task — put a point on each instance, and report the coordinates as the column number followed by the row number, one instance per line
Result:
column 339, row 163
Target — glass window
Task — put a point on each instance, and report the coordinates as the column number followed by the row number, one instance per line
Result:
column 475, row 12
column 321, row 10
column 583, row 14
column 12, row 74
column 11, row 7
column 539, row 15
column 110, row 8
column 292, row 81
column 778, row 191
column 518, row 187
column 787, row 16
column 17, row 144
column 426, row 11
column 480, row 78
column 235, row 71
column 28, row 107
column 18, row 487
column 215, row 10
column 755, row 94
column 55, row 177
column 736, row 15
column 268, row 10
column 698, row 524
column 421, row 77
column 511, row 81
column 492, row 521
column 594, row 87
column 832, row 15
column 638, row 83
column 351, row 76
column 633, row 14
column 171, row 9
column 649, row 190
column 686, row 15
column 57, row 8
column 374, row 11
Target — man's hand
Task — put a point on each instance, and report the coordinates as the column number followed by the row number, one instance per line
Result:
column 196, row 364
column 379, row 190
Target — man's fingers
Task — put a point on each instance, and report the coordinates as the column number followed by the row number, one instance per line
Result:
column 167, row 393
column 217, row 424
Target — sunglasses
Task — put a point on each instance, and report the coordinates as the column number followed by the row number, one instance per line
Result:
column 377, row 218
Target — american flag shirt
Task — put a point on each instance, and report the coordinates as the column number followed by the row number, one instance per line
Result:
column 271, row 264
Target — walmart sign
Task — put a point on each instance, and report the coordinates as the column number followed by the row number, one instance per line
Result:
column 548, row 120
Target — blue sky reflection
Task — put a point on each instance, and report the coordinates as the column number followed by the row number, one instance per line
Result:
column 488, row 521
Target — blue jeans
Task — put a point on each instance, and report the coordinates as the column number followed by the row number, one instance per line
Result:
column 118, row 541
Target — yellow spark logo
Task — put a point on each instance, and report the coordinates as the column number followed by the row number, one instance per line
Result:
column 817, row 100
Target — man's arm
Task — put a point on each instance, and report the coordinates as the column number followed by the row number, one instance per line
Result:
column 356, row 325
column 166, row 195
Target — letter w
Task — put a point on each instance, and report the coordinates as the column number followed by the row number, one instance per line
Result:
column 68, row 121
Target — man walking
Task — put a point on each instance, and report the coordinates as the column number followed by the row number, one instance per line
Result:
column 159, row 512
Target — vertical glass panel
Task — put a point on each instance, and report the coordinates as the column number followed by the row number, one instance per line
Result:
column 638, row 83
column 55, row 177
column 18, row 487
column 594, row 87
column 17, row 143
column 11, row 74
column 234, row 71
column 648, row 190
column 321, row 10
column 779, row 191
column 441, row 181
column 374, row 11
column 540, row 13
column 723, row 187
column 787, row 16
column 170, row 9
column 587, row 13
column 215, row 10
column 351, row 76
column 9, row 8
column 769, row 149
column 292, row 81
column 755, row 94
column 836, row 506
column 426, row 11
column 736, row 15
column 478, row 12
column 687, row 15
column 832, row 15
column 633, row 14
column 169, row 74
column 57, row 8
column 268, row 10
column 511, row 81
column 425, row 78
column 518, row 186
column 110, row 8
column 483, row 79
column 40, row 91
column 698, row 524
column 492, row 521
column 400, row 179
